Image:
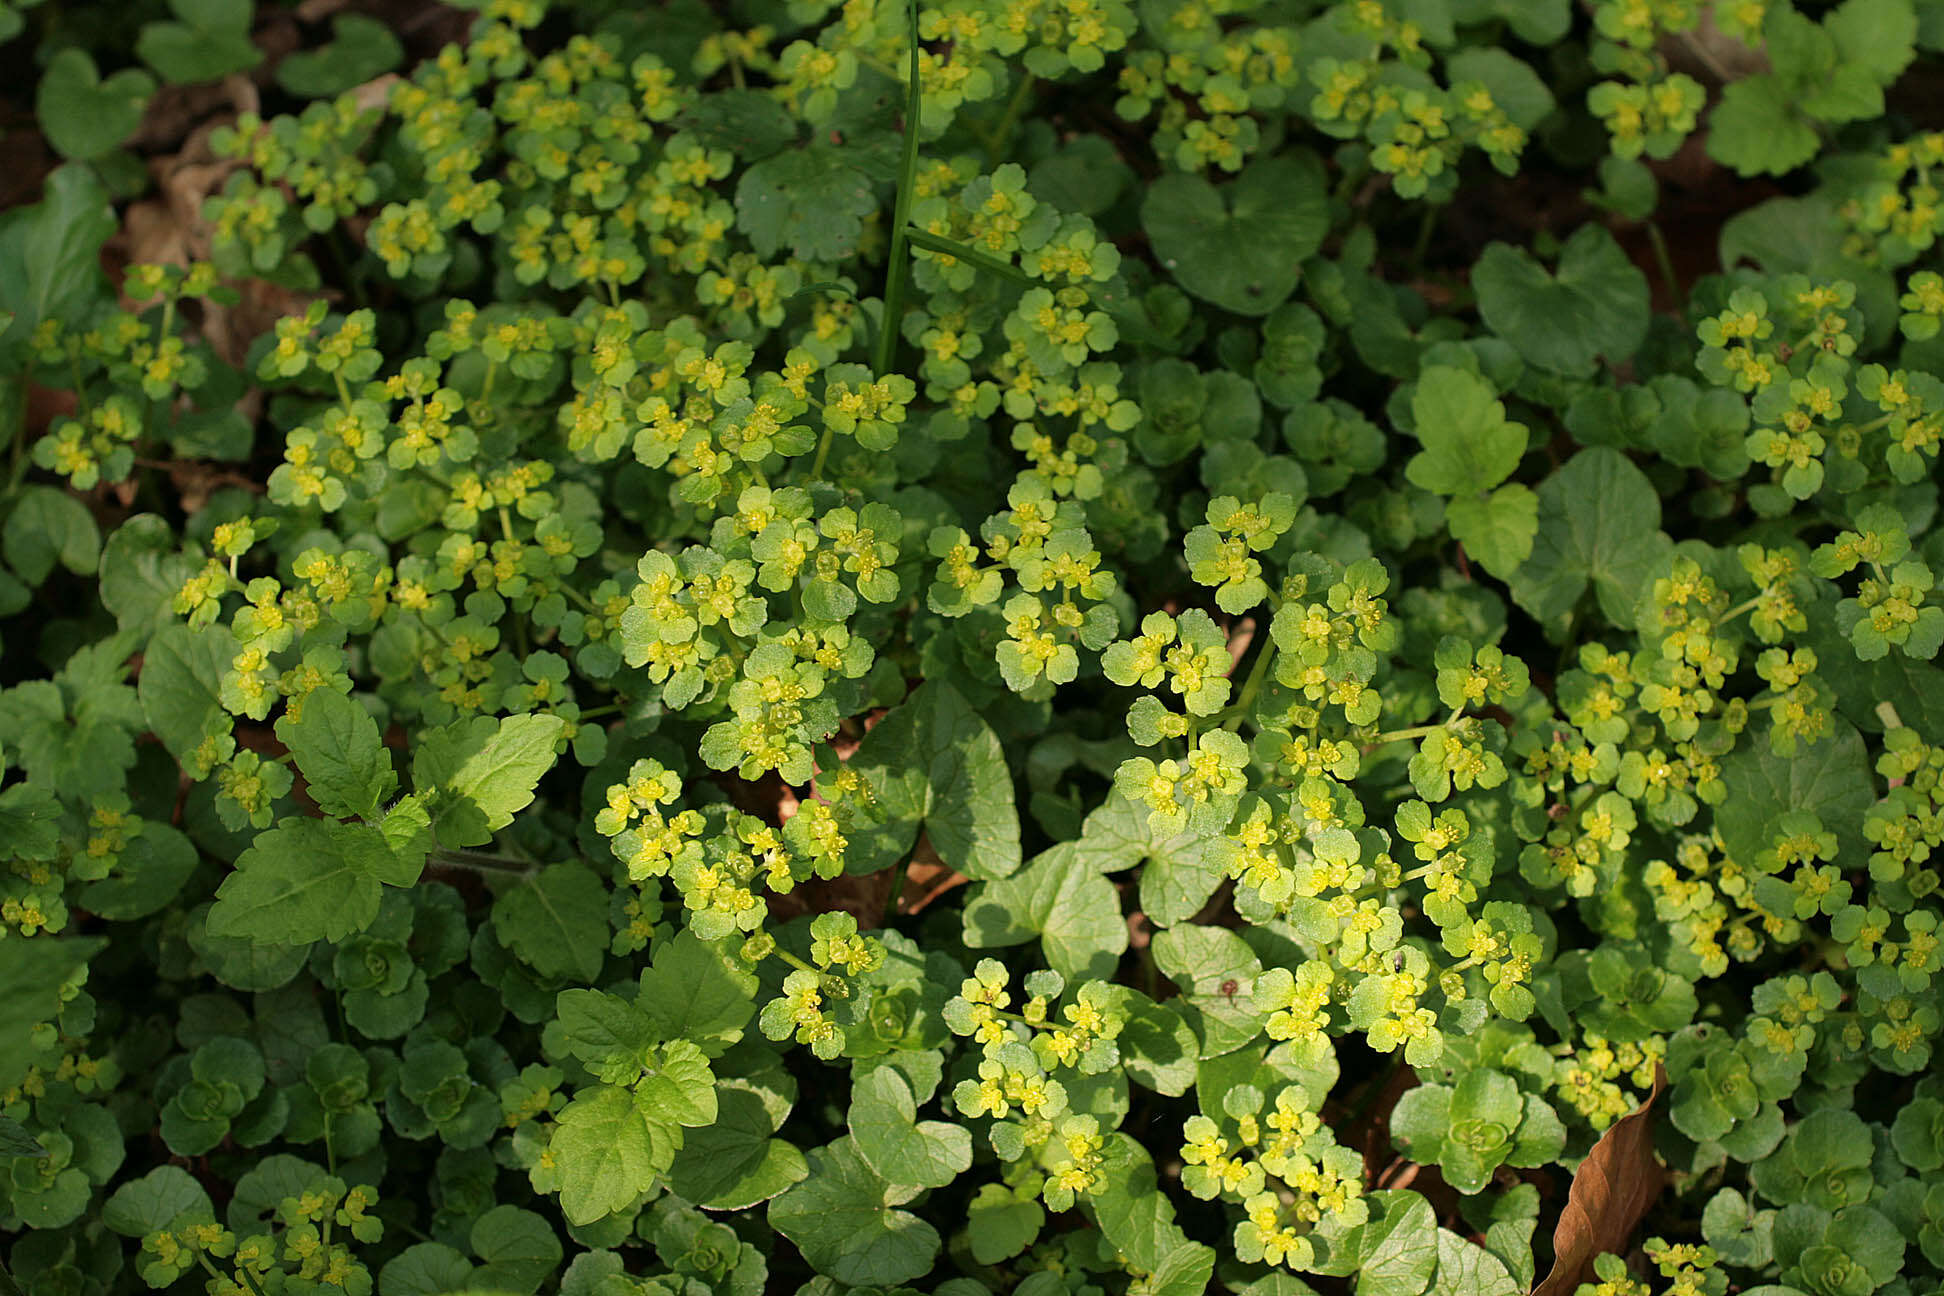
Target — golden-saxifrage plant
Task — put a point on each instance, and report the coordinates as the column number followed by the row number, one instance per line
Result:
column 1037, row 455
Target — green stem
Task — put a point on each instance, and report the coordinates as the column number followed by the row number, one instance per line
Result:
column 1404, row 735
column 823, row 444
column 13, row 410
column 1239, row 709
column 1666, row 263
column 1002, row 134
column 899, row 267
column 479, row 861
column 796, row 962
column 891, row 901
column 1427, row 226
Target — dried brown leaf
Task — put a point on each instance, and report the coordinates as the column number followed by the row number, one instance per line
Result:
column 1615, row 1185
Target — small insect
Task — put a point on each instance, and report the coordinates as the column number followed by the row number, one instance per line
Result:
column 1397, row 961
column 1229, row 987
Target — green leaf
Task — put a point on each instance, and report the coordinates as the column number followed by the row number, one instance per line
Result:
column 694, row 992
column 608, row 1034
column 425, row 1269
column 47, row 526
column 50, row 256
column 1594, row 306
column 210, row 40
column 143, row 566
column 1001, row 1224
column 677, row 1088
column 1829, row 779
column 360, row 49
column 151, row 873
column 1061, row 899
column 1157, row 1048
column 1467, row 1270
column 480, row 772
column 1757, row 130
column 344, row 761
column 1399, row 1245
column 607, row 1155
column 842, row 1219
column 181, row 684
column 750, row 123
column 936, row 765
column 149, row 1204
column 732, row 1163
column 1516, row 89
column 1217, row 972
column 517, row 1251
column 304, row 880
column 82, row 115
column 15, row 1141
column 1135, row 1217
column 1241, row 246
column 891, row 1139
column 1176, row 884
column 1469, row 445
column 1599, row 525
column 556, row 921
column 1497, row 530
column 809, row 200
column 1876, row 37
column 33, row 971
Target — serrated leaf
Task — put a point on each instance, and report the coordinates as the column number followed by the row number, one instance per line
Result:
column 607, row 1154
column 481, row 772
column 304, row 880
column 1497, row 530
column 693, row 992
column 809, row 200
column 181, row 684
column 344, row 762
column 677, row 1088
column 556, row 921
column 50, row 265
column 1469, row 444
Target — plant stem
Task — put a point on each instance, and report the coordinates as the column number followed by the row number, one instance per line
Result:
column 479, row 861
column 1666, row 263
column 899, row 266
column 1239, row 709
column 1403, row 735
column 1002, row 134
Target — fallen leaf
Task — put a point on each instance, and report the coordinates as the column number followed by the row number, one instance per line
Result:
column 926, row 878
column 1613, row 1188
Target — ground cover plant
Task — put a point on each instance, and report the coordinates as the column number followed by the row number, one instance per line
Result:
column 1126, row 648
